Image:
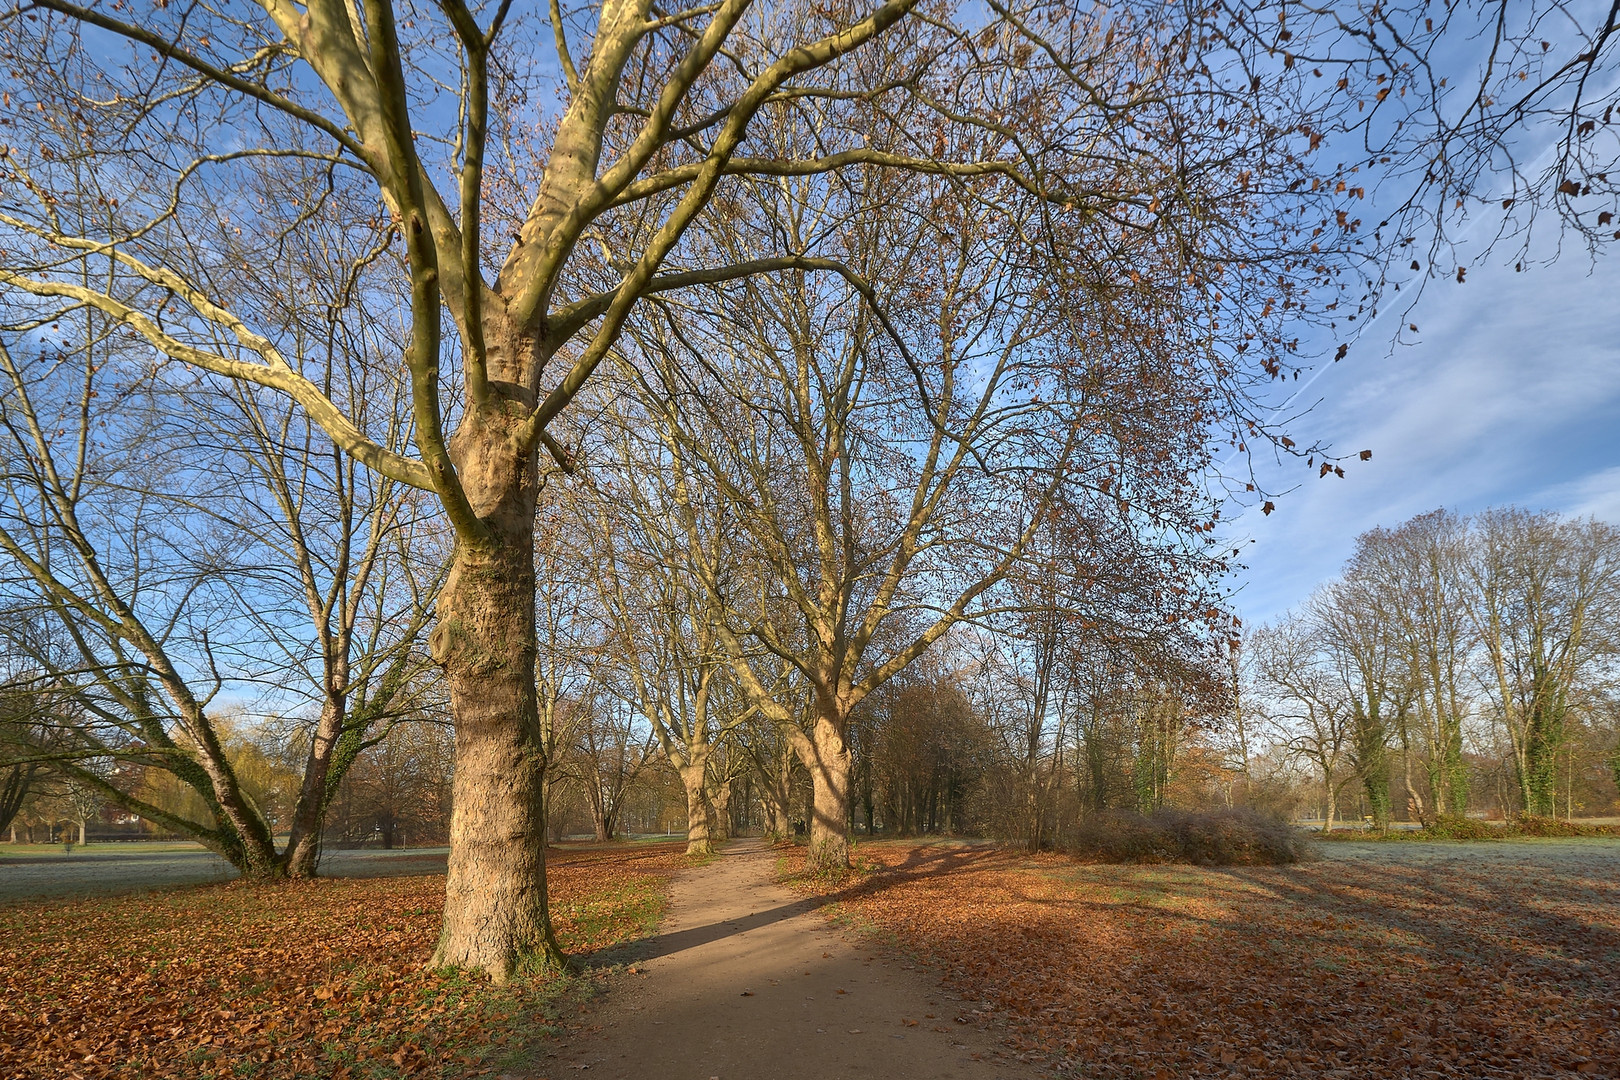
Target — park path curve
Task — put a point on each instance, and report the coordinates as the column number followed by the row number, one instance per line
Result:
column 747, row 980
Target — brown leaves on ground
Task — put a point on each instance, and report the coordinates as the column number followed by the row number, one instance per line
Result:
column 321, row 978
column 1394, row 964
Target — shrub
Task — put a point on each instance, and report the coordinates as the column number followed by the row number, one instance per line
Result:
column 1204, row 838
column 1462, row 828
column 1457, row 827
column 1530, row 825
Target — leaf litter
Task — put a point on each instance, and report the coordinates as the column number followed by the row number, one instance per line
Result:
column 1345, row 967
column 319, row 978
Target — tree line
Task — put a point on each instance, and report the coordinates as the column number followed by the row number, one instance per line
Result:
column 1452, row 652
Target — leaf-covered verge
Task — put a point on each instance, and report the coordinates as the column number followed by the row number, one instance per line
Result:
column 1400, row 966
column 323, row 978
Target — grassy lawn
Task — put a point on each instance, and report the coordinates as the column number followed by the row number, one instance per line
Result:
column 1491, row 960
column 120, row 847
column 321, row 978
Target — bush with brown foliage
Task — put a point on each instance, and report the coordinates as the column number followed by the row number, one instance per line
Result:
column 1465, row 828
column 1202, row 837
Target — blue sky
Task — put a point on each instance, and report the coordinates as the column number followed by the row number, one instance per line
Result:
column 1509, row 395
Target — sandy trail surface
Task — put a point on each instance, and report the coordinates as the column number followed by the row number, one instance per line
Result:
column 747, row 979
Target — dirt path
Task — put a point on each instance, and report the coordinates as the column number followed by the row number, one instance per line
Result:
column 748, row 981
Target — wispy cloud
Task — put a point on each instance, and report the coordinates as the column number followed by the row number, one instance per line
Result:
column 1594, row 495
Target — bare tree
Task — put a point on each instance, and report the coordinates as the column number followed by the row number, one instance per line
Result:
column 1308, row 701
column 888, row 483
column 1417, row 569
column 398, row 790
column 24, row 744
column 665, row 638
column 1346, row 617
column 769, row 750
column 610, row 751
column 573, row 647
column 1544, row 596
column 162, row 580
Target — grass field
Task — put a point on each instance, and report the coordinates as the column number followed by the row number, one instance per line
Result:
column 122, row 847
column 1379, row 960
column 31, row 873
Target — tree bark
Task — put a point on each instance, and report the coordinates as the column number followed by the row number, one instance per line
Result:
column 496, row 916
column 1034, row 807
column 1543, row 741
column 303, row 840
column 720, row 802
column 827, row 756
column 698, row 808
column 1372, row 765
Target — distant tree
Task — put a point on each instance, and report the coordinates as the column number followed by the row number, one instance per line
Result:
column 23, row 737
column 1416, row 570
column 84, row 804
column 610, row 751
column 1544, row 597
column 1308, row 700
column 16, row 780
column 667, row 660
column 398, row 790
column 775, row 766
column 928, row 752
column 1345, row 618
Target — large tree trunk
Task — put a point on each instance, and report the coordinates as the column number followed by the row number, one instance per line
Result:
column 390, row 828
column 829, row 760
column 1034, row 808
column 495, row 914
column 699, row 812
column 1372, row 762
column 601, row 820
